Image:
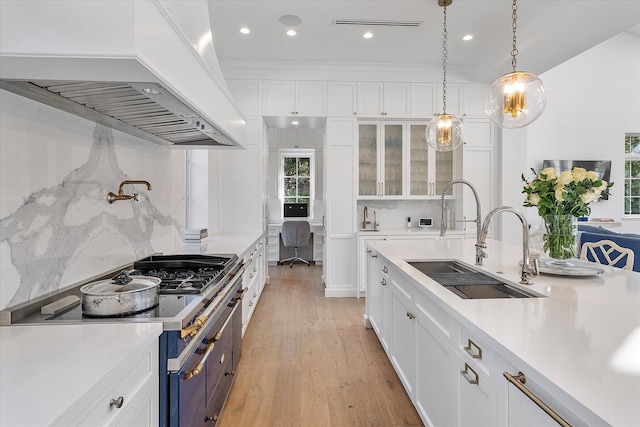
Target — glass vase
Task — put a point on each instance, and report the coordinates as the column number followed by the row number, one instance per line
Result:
column 561, row 237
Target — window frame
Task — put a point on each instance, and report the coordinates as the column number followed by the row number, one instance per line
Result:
column 628, row 157
column 298, row 153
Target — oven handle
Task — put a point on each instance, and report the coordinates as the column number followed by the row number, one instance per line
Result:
column 197, row 324
column 218, row 334
column 198, row 368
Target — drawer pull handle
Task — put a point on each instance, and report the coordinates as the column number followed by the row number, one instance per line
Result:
column 519, row 381
column 410, row 315
column 383, row 282
column 227, row 373
column 466, row 376
column 468, row 349
column 250, row 303
column 385, row 269
column 198, row 368
column 117, row 402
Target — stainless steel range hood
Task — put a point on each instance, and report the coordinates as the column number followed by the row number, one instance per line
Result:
column 147, row 67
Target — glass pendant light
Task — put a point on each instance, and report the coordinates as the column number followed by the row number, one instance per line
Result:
column 518, row 98
column 444, row 131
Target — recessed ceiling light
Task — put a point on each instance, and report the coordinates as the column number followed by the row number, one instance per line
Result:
column 290, row 20
column 291, row 32
column 467, row 37
column 245, row 30
column 151, row 91
column 367, row 35
column 294, row 123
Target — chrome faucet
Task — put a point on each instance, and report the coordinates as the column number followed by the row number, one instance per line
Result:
column 481, row 245
column 443, row 222
column 112, row 197
column 364, row 220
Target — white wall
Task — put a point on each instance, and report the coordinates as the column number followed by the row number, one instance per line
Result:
column 594, row 99
column 56, row 226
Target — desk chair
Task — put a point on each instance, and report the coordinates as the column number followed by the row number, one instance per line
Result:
column 608, row 253
column 295, row 234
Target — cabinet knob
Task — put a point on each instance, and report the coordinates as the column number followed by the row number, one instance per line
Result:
column 383, row 282
column 208, row 418
column 117, row 402
column 385, row 269
column 410, row 315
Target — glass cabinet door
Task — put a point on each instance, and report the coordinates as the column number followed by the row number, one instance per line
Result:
column 429, row 170
column 393, row 158
column 418, row 161
column 368, row 160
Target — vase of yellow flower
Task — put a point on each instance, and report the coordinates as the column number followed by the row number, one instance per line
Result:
column 561, row 199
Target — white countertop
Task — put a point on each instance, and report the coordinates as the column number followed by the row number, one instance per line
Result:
column 45, row 369
column 413, row 231
column 584, row 338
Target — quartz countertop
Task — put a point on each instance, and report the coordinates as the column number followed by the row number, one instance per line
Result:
column 584, row 338
column 412, row 231
column 45, row 369
column 226, row 243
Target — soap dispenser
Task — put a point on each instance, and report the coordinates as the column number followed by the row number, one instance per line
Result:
column 408, row 222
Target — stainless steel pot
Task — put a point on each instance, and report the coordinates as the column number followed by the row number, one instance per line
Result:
column 114, row 297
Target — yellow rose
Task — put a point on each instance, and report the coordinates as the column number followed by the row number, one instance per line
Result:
column 579, row 174
column 559, row 191
column 534, row 199
column 593, row 176
column 549, row 172
column 565, row 178
column 603, row 186
column 590, row 196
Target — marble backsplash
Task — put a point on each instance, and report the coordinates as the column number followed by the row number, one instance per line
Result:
column 56, row 226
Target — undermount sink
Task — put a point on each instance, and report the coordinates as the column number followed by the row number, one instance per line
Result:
column 369, row 229
column 466, row 282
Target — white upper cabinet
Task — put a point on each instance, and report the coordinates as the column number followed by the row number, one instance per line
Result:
column 387, row 100
column 423, row 100
column 475, row 96
column 293, row 138
column 455, row 99
column 294, row 98
column 341, row 99
column 248, row 95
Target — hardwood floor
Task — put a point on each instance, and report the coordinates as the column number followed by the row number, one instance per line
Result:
column 308, row 361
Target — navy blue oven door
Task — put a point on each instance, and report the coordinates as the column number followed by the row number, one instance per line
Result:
column 198, row 391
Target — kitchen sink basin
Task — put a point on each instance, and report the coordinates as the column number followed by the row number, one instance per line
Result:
column 466, row 282
column 369, row 229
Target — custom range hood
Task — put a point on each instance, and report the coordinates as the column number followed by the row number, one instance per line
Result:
column 144, row 67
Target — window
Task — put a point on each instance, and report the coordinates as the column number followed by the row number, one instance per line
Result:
column 297, row 177
column 632, row 174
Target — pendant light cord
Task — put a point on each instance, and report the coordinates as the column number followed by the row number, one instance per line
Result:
column 445, row 54
column 514, row 50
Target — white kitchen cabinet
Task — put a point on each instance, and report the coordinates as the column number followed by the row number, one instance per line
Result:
column 253, row 280
column 423, row 100
column 381, row 160
column 437, row 377
column 429, row 170
column 341, row 99
column 135, row 382
column 379, row 299
column 475, row 96
column 363, row 258
column 248, row 95
column 455, row 99
column 294, row 98
column 288, row 138
column 387, row 100
column 340, row 154
column 522, row 412
column 403, row 332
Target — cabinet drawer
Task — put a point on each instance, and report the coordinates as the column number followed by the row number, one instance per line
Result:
column 437, row 318
column 475, row 352
column 131, row 380
column 403, row 288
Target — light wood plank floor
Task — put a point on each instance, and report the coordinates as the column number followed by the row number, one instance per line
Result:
column 308, row 361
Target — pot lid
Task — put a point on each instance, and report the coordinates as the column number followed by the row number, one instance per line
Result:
column 111, row 287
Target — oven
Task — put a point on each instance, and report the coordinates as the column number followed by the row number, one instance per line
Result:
column 200, row 307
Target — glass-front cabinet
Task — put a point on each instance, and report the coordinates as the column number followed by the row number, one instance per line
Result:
column 429, row 170
column 381, row 166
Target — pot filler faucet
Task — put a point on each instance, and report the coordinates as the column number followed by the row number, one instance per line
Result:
column 527, row 271
column 443, row 222
column 111, row 197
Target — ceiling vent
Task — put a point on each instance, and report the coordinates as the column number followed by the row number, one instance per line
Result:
column 377, row 23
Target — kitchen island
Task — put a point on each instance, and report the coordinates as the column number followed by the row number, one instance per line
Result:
column 578, row 343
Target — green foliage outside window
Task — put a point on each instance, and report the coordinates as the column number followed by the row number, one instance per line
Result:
column 632, row 174
column 297, row 179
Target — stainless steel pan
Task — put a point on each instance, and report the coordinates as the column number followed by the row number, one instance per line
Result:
column 119, row 297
